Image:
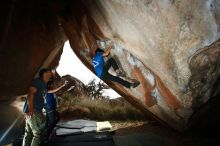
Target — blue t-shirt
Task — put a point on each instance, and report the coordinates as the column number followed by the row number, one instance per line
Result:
column 98, row 62
column 50, row 102
column 41, row 87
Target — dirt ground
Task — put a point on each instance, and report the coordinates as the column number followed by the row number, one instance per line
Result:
column 173, row 138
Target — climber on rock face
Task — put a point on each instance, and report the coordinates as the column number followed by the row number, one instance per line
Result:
column 101, row 68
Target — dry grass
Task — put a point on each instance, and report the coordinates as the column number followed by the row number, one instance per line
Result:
column 81, row 107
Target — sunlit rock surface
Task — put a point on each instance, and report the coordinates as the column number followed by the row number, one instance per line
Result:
column 171, row 47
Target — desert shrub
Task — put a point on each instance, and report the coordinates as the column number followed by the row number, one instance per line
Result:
column 83, row 107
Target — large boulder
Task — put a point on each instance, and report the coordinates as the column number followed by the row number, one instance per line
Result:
column 168, row 46
column 171, row 47
column 73, row 86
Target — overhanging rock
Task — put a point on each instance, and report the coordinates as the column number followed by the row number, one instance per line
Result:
column 171, row 47
column 157, row 42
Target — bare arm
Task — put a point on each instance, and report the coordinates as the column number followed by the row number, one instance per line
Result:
column 106, row 53
column 57, row 89
column 30, row 98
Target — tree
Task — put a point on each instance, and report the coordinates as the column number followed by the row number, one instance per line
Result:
column 95, row 91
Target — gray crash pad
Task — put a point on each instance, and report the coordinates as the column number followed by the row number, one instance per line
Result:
column 77, row 124
column 81, row 126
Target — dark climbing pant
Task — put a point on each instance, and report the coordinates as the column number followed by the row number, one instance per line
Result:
column 52, row 117
column 107, row 76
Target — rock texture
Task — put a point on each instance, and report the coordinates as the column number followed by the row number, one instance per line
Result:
column 74, row 87
column 170, row 46
column 30, row 38
column 159, row 43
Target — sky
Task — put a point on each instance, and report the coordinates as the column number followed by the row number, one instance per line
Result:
column 70, row 64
